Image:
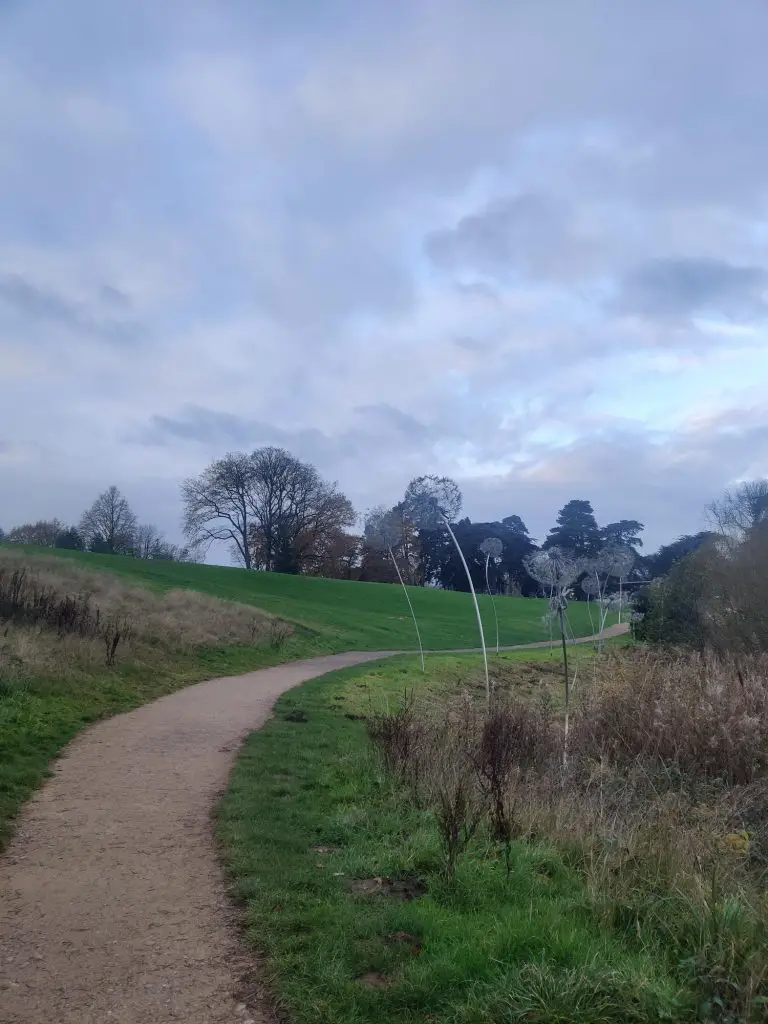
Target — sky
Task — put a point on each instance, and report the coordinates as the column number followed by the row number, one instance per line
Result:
column 519, row 243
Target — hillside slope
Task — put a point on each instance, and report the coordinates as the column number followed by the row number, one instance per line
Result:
column 348, row 615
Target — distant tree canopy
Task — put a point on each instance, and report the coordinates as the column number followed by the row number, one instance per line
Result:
column 624, row 533
column 109, row 525
column 276, row 512
column 576, row 530
column 710, row 589
column 506, row 574
column 660, row 563
column 70, row 539
column 45, row 533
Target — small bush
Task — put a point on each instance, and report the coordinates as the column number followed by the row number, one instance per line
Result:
column 513, row 738
column 398, row 736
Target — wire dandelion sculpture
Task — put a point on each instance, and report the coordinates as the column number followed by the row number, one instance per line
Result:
column 623, row 564
column 591, row 587
column 614, row 562
column 492, row 549
column 383, row 533
column 556, row 571
column 434, row 501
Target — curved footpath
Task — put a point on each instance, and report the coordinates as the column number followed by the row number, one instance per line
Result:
column 113, row 906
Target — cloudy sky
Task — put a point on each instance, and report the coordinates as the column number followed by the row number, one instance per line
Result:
column 521, row 243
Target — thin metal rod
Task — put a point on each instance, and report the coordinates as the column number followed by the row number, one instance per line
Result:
column 408, row 599
column 493, row 602
column 567, row 686
column 477, row 608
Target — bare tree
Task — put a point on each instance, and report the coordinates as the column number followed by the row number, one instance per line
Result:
column 741, row 510
column 276, row 511
column 150, row 543
column 492, row 549
column 292, row 510
column 382, row 532
column 146, row 540
column 217, row 505
column 109, row 524
column 44, row 533
column 434, row 501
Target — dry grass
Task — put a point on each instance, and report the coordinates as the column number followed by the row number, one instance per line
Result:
column 160, row 623
column 662, row 803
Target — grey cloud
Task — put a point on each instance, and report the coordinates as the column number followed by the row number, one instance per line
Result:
column 112, row 296
column 392, row 419
column 519, row 233
column 37, row 305
column 665, row 481
column 477, row 289
column 198, row 424
column 676, row 289
column 379, row 426
column 288, row 178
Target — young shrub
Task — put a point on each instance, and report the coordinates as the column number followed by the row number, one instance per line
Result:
column 398, row 736
column 453, row 795
column 514, row 737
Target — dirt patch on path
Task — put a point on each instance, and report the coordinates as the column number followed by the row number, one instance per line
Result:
column 113, row 908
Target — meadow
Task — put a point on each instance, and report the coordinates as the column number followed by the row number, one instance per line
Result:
column 176, row 624
column 628, row 887
column 344, row 615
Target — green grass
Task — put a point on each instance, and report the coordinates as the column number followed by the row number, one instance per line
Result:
column 38, row 716
column 347, row 615
column 486, row 949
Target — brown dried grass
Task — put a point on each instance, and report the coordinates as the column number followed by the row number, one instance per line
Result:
column 162, row 623
column 662, row 804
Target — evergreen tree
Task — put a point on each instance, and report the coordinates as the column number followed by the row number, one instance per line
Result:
column 576, row 531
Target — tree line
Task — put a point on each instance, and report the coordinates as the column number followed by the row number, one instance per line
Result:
column 715, row 595
column 276, row 513
column 109, row 526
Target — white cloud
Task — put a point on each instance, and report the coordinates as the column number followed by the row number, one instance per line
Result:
column 396, row 238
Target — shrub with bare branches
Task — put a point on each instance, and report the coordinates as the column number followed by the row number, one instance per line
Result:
column 449, row 786
column 27, row 600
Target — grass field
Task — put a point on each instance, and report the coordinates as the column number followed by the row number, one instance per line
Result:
column 487, row 948
column 49, row 689
column 346, row 615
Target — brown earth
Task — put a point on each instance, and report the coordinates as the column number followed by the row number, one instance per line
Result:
column 113, row 908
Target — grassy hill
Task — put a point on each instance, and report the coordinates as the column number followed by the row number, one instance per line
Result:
column 189, row 622
column 346, row 615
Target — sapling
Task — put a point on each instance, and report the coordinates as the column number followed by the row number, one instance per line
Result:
column 492, row 549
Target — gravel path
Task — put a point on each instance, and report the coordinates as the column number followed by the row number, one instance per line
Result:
column 112, row 903
column 113, row 908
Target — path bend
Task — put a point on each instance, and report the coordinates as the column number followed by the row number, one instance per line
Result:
column 113, row 906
